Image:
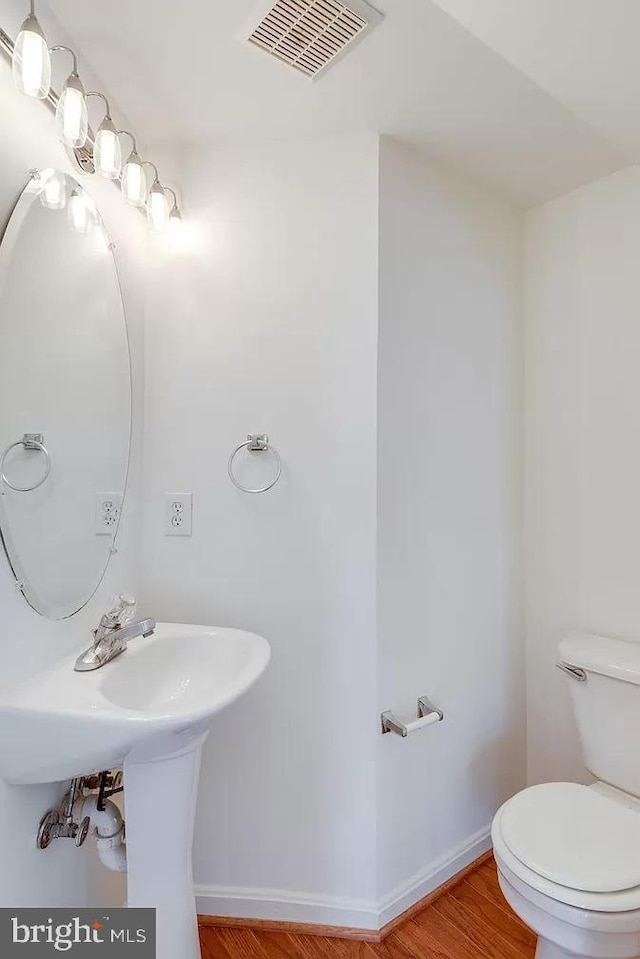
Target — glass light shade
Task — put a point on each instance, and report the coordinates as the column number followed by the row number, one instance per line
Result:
column 79, row 213
column 157, row 208
column 72, row 122
column 175, row 228
column 31, row 60
column 134, row 181
column 107, row 152
column 54, row 194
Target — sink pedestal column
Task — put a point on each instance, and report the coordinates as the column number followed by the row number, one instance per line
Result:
column 160, row 794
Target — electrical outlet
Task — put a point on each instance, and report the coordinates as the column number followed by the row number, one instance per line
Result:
column 178, row 513
column 107, row 513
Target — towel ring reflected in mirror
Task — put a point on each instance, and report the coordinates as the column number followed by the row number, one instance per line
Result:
column 30, row 441
column 255, row 443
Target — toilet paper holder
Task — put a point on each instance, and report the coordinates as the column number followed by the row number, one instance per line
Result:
column 428, row 713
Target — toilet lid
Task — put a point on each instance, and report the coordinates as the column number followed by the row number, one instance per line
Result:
column 574, row 836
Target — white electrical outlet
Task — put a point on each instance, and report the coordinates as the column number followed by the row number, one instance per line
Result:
column 178, row 513
column 107, row 513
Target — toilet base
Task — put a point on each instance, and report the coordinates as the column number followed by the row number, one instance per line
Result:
column 549, row 950
column 584, row 934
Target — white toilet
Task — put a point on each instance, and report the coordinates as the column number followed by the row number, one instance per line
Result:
column 568, row 856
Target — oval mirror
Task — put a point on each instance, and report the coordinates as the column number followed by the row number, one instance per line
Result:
column 65, row 395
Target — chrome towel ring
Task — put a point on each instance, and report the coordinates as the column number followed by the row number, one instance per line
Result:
column 256, row 443
column 30, row 441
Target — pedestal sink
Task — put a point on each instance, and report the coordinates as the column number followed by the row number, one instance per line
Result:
column 148, row 711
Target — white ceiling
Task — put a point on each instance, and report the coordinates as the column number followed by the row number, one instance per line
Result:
column 582, row 52
column 502, row 107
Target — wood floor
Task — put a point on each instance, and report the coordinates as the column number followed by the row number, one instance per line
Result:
column 470, row 921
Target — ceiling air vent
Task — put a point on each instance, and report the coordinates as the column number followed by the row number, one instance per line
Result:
column 310, row 35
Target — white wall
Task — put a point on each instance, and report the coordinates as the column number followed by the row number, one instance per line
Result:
column 271, row 325
column 62, row 874
column 448, row 518
column 582, row 477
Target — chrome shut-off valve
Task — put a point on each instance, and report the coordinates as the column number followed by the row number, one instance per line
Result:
column 60, row 824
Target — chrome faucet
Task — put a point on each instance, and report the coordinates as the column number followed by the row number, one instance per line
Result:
column 113, row 633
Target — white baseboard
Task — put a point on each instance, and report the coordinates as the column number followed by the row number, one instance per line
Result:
column 408, row 894
column 282, row 905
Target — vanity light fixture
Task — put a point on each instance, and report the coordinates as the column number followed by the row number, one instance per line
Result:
column 157, row 207
column 175, row 219
column 134, row 181
column 107, row 152
column 31, row 59
column 54, row 194
column 79, row 214
column 72, row 122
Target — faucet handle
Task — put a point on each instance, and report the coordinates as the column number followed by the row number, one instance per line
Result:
column 122, row 612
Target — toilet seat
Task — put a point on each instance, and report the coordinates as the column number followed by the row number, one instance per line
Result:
column 574, row 844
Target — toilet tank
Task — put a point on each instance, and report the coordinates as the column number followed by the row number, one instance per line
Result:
column 606, row 704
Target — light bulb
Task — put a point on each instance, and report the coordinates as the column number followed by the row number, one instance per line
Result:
column 31, row 60
column 134, row 181
column 72, row 122
column 54, row 194
column 78, row 212
column 157, row 209
column 107, row 152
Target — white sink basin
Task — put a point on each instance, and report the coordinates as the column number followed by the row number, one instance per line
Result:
column 60, row 724
column 149, row 711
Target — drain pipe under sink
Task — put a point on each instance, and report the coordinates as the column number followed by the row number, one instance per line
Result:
column 108, row 832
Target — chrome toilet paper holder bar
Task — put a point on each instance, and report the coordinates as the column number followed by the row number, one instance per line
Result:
column 428, row 713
